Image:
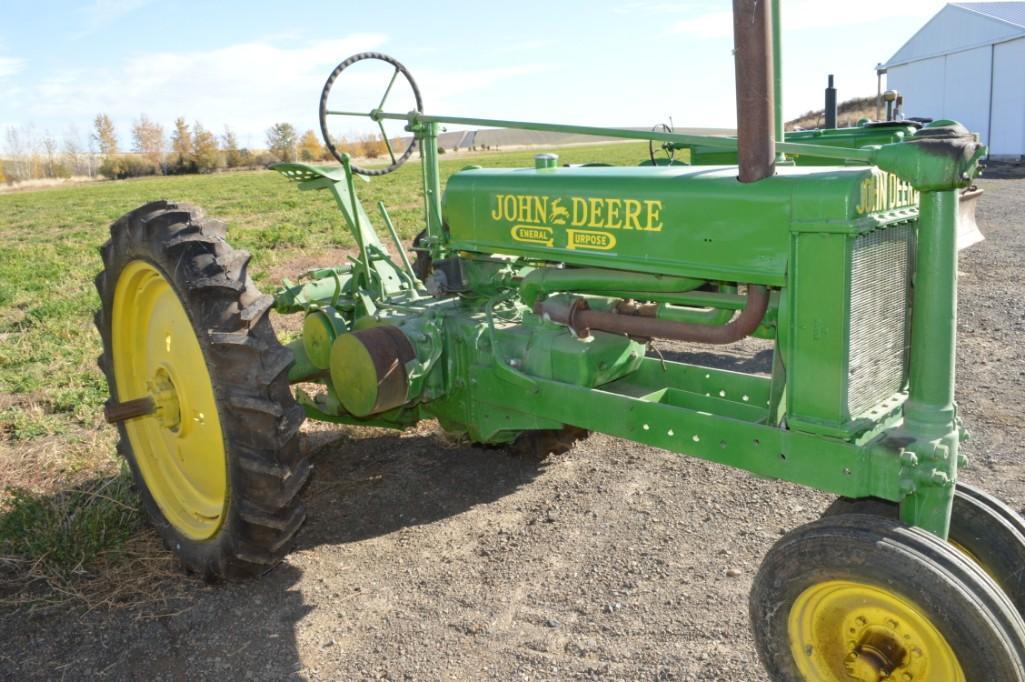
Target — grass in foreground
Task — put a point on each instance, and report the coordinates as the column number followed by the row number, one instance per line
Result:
column 67, row 511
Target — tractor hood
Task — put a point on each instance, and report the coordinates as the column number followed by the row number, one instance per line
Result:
column 692, row 221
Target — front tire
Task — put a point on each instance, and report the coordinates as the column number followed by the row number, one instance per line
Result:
column 864, row 597
column 218, row 464
column 982, row 527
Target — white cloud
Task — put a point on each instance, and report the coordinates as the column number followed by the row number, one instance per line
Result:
column 102, row 12
column 710, row 25
column 805, row 14
column 10, row 66
column 440, row 88
column 654, row 7
column 526, row 45
column 247, row 86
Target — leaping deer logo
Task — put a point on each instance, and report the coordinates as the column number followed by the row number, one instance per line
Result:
column 560, row 214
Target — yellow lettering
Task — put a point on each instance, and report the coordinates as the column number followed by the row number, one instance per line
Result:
column 524, row 206
column 497, row 213
column 589, row 239
column 595, row 205
column 654, row 215
column 612, row 209
column 509, row 204
column 579, row 212
column 540, row 210
column 884, row 192
column 632, row 219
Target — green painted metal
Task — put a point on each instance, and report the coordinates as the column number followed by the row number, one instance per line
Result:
column 407, row 266
column 859, row 400
column 545, row 281
column 777, row 77
column 930, row 415
column 680, row 221
column 416, row 120
column 858, row 137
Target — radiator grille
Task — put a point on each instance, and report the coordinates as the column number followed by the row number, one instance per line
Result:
column 881, row 264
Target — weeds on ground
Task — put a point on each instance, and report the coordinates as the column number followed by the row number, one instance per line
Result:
column 70, row 529
column 84, row 547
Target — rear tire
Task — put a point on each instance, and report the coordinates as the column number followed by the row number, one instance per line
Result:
column 255, row 511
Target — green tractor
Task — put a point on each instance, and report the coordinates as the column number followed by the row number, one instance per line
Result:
column 526, row 318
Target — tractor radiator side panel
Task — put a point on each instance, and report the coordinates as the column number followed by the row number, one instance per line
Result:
column 850, row 296
column 881, row 264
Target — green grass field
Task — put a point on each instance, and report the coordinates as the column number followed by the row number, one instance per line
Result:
column 64, row 496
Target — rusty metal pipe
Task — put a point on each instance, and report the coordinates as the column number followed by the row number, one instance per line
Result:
column 129, row 409
column 690, row 315
column 752, row 47
column 582, row 320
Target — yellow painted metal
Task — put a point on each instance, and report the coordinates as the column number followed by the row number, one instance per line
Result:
column 971, row 555
column 354, row 375
column 842, row 631
column 179, row 450
column 318, row 335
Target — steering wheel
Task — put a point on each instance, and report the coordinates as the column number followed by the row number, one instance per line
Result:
column 396, row 161
column 661, row 153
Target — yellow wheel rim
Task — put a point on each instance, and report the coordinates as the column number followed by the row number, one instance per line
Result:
column 179, row 449
column 844, row 631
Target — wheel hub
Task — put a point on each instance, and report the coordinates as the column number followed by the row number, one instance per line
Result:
column 843, row 631
column 166, row 398
column 878, row 654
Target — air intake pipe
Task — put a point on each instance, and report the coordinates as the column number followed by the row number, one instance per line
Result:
column 752, row 47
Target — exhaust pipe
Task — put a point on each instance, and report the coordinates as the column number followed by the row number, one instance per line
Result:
column 637, row 322
column 830, row 111
column 752, row 48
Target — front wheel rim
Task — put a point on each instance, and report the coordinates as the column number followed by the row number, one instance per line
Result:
column 842, row 631
column 179, row 450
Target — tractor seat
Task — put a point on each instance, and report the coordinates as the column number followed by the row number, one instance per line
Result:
column 301, row 172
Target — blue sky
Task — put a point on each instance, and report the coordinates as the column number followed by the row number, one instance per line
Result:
column 248, row 64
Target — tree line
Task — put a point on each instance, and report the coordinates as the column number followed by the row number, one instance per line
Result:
column 186, row 149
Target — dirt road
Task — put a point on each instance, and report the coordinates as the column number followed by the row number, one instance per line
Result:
column 427, row 561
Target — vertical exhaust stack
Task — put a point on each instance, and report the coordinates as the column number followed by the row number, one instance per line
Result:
column 752, row 48
column 830, row 104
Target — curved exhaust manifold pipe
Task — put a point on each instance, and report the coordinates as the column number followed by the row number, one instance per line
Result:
column 638, row 321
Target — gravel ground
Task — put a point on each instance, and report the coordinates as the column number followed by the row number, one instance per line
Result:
column 425, row 560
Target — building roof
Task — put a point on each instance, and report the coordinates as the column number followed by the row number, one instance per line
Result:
column 963, row 26
column 1011, row 12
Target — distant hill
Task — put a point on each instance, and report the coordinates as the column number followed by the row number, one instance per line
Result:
column 847, row 114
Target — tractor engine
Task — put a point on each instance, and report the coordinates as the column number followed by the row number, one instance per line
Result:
column 565, row 274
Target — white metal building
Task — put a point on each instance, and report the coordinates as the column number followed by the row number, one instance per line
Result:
column 968, row 63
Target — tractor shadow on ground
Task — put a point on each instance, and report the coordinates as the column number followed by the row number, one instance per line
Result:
column 735, row 359
column 366, row 487
column 367, row 483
